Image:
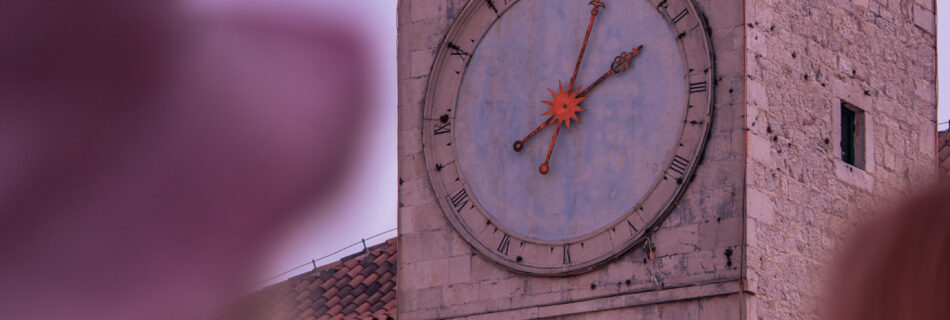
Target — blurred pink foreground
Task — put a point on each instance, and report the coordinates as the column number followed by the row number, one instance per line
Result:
column 146, row 154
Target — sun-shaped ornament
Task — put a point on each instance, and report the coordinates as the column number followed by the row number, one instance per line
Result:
column 564, row 105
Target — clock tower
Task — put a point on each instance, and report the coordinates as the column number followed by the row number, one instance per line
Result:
column 680, row 159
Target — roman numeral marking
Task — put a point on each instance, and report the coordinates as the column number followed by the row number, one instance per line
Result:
column 503, row 246
column 492, row 6
column 680, row 16
column 444, row 128
column 679, row 165
column 632, row 228
column 459, row 200
column 567, row 254
column 697, row 87
column 456, row 51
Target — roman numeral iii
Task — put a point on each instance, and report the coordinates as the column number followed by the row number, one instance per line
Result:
column 697, row 87
column 679, row 165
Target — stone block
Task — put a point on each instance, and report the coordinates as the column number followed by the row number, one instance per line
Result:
column 430, row 273
column 424, row 246
column 420, row 62
column 926, row 91
column 462, row 293
column 720, row 308
column 679, row 310
column 676, row 240
column 759, row 206
column 422, row 218
column 411, row 167
column 425, row 9
column 485, row 270
column 415, row 192
column 925, row 19
column 489, row 290
column 411, row 142
column 702, row 262
column 853, row 176
column 458, row 245
column 460, row 269
column 760, row 149
column 720, row 233
column 420, row 299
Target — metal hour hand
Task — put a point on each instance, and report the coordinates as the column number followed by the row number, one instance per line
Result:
column 520, row 143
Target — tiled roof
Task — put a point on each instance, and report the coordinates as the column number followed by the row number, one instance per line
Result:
column 357, row 287
column 943, row 154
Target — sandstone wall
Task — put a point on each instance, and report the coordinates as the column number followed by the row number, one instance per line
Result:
column 803, row 58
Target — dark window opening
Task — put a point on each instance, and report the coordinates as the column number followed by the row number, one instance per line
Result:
column 847, row 135
column 853, row 135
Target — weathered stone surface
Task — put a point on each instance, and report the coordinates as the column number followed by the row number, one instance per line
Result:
column 804, row 58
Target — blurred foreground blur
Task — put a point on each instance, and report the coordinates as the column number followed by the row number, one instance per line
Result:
column 147, row 152
column 898, row 266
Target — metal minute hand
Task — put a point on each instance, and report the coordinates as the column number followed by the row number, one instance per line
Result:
column 621, row 63
column 580, row 57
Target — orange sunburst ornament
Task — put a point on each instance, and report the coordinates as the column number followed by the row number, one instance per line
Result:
column 564, row 105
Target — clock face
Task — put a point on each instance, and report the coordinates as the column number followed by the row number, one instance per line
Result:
column 552, row 148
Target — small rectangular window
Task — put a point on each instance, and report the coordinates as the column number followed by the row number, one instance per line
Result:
column 852, row 135
column 847, row 135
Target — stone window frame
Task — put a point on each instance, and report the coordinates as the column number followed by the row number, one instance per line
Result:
column 844, row 94
column 858, row 152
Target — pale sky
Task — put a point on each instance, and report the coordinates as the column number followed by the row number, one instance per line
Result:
column 366, row 204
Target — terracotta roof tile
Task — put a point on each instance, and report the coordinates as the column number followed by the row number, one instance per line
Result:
column 360, row 286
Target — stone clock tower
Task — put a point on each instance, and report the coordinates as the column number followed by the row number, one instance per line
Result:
column 676, row 159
